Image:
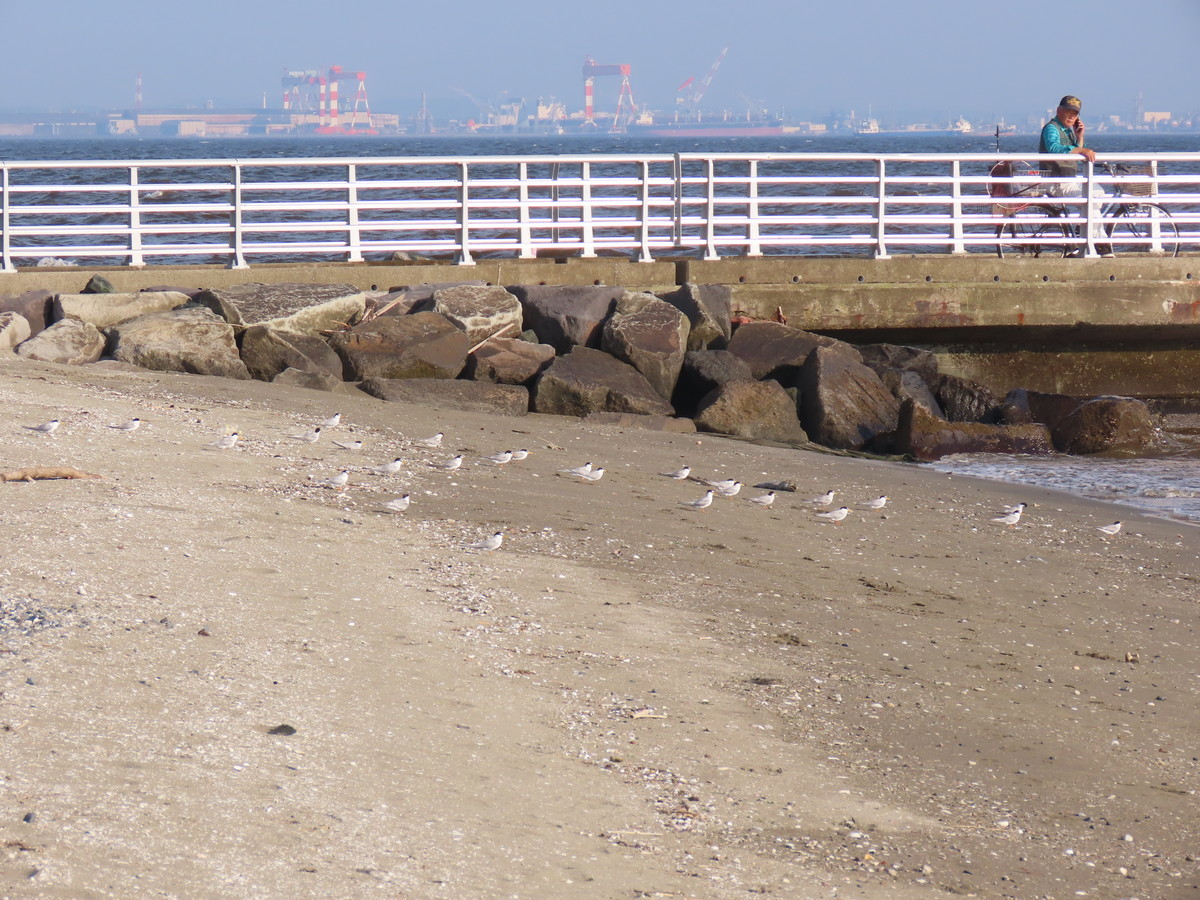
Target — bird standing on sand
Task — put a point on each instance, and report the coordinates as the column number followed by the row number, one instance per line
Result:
column 702, row 503
column 592, row 476
column 337, row 481
column 730, row 490
column 520, row 454
column 824, row 500
column 45, row 428
column 332, row 421
column 499, row 459
column 450, row 464
column 432, row 442
column 349, row 445
column 836, row 515
column 585, row 469
column 128, row 427
column 309, row 437
column 399, row 504
column 1110, row 530
column 388, row 468
column 490, row 544
column 763, row 500
column 877, row 503
column 228, row 442
column 722, row 485
column 678, row 474
column 1012, row 517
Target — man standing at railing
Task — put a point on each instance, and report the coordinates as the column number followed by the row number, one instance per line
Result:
column 1065, row 134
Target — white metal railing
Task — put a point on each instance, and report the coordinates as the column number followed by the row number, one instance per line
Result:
column 234, row 212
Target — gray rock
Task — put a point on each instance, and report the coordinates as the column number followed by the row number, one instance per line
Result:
column 704, row 371
column 14, row 328
column 312, row 380
column 98, row 284
column 36, row 307
column 422, row 345
column 565, row 316
column 1021, row 406
column 779, row 351
column 303, row 308
column 480, row 311
column 267, row 352
column 843, row 403
column 894, row 356
column 586, row 381
column 68, row 341
column 104, row 309
column 192, row 340
column 708, row 308
column 472, row 396
column 926, row 437
column 1107, row 424
column 751, row 409
column 669, row 424
column 966, row 401
column 907, row 384
column 509, row 361
column 651, row 336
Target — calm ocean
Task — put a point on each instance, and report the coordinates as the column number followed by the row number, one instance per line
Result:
column 1167, row 485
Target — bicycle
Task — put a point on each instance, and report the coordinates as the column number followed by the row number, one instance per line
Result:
column 1030, row 234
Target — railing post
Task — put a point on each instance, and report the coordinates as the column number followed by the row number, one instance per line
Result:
column 880, row 227
column 587, row 234
column 753, row 247
column 677, row 212
column 464, row 217
column 135, row 220
column 353, row 231
column 5, row 238
column 235, row 220
column 1091, row 211
column 555, row 212
column 957, row 242
column 525, row 234
column 710, row 209
column 644, row 218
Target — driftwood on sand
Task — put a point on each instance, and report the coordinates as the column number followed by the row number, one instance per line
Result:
column 45, row 473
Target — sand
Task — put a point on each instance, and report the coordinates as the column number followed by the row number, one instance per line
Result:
column 629, row 699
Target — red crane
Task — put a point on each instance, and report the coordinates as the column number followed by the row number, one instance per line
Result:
column 626, row 108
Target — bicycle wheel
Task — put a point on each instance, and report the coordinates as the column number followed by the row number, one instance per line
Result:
column 1145, row 228
column 1021, row 239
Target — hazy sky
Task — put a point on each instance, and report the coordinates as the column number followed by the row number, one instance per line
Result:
column 917, row 60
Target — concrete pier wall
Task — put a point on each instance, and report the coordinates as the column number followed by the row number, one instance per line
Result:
column 1126, row 325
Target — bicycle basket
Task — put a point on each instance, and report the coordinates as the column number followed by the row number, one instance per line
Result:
column 1136, row 188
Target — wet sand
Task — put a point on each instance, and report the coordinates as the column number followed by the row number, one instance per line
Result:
column 629, row 699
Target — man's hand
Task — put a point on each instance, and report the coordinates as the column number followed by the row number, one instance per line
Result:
column 1086, row 152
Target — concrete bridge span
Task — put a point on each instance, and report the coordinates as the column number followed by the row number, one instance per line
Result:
column 1129, row 325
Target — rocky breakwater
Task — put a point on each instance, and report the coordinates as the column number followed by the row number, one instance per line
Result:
column 673, row 360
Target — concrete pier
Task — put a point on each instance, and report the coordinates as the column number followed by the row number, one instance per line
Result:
column 1129, row 325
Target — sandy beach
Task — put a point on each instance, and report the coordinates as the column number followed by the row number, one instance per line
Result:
column 629, row 699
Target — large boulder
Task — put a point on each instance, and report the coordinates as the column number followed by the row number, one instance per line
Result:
column 423, row 345
column 267, row 352
column 103, row 309
column 751, row 409
column 704, row 371
column 565, row 316
column 14, row 328
column 962, row 400
column 778, row 351
column 190, row 340
column 509, row 361
column 314, row 381
column 302, row 308
column 36, row 307
column 68, row 341
column 480, row 310
column 1022, row 406
column 1107, row 424
column 926, row 437
column 881, row 357
column 709, row 308
column 651, row 336
column 907, row 384
column 843, row 403
column 586, row 381
column 471, row 396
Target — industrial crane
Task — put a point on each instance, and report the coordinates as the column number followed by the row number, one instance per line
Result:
column 689, row 100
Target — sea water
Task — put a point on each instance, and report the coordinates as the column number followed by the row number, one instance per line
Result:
column 1167, row 485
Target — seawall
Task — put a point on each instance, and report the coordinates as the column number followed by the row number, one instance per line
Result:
column 1129, row 326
